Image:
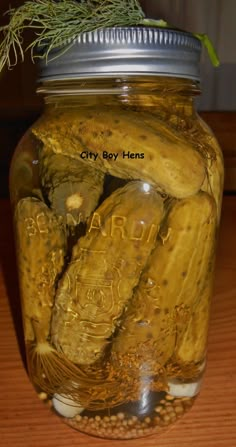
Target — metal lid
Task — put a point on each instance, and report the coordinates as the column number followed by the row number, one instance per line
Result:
column 119, row 51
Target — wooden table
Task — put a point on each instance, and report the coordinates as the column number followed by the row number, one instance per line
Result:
column 25, row 421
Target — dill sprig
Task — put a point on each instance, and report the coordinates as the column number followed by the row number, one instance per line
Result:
column 55, row 21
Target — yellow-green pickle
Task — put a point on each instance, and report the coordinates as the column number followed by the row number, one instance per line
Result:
column 117, row 191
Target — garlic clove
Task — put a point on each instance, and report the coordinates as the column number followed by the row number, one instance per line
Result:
column 178, row 389
column 65, row 406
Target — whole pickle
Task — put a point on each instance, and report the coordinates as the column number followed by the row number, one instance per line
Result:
column 187, row 125
column 105, row 267
column 41, row 248
column 170, row 162
column 73, row 189
column 171, row 283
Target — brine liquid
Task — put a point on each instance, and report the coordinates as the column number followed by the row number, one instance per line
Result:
column 116, row 270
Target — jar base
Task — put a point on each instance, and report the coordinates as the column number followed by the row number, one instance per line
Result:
column 118, row 424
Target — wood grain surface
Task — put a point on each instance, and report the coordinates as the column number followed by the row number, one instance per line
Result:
column 26, row 422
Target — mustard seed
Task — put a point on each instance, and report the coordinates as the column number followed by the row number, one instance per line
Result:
column 147, row 420
column 169, row 397
column 179, row 409
column 120, row 416
column 173, row 416
column 166, row 418
column 43, row 396
column 169, row 409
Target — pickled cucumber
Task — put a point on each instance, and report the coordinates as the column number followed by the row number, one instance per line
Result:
column 170, row 163
column 105, row 267
column 41, row 246
column 171, row 283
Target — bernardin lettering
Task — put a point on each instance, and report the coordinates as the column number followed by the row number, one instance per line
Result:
column 96, row 224
column 123, row 228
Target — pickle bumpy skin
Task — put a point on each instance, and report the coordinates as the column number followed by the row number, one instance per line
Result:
column 214, row 180
column 170, row 163
column 201, row 137
column 171, row 283
column 24, row 176
column 73, row 189
column 41, row 247
column 105, row 267
column 191, row 345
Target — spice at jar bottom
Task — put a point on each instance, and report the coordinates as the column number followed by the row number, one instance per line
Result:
column 126, row 422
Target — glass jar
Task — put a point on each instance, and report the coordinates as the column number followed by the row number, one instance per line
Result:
column 117, row 195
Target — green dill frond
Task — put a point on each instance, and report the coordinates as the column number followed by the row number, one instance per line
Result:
column 56, row 21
